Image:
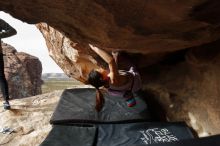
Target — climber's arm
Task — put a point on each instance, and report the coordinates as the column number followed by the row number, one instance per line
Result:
column 108, row 59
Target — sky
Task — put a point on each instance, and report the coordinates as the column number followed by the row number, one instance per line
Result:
column 30, row 40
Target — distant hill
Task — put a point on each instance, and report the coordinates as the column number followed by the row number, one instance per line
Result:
column 52, row 76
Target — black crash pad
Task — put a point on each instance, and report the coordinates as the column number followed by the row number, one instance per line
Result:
column 141, row 133
column 61, row 135
column 205, row 141
column 78, row 106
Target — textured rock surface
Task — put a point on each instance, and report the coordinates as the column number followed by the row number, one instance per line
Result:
column 71, row 57
column 187, row 87
column 23, row 73
column 78, row 60
column 188, row 90
column 29, row 118
column 133, row 25
column 141, row 26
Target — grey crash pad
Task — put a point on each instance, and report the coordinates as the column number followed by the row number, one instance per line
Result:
column 78, row 106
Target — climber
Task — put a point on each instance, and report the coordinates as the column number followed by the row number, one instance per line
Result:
column 118, row 82
column 5, row 31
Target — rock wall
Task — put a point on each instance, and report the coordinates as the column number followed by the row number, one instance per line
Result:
column 186, row 85
column 23, row 73
column 137, row 26
column 78, row 60
column 134, row 25
column 73, row 58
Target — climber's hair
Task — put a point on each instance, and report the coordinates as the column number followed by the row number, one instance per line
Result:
column 95, row 79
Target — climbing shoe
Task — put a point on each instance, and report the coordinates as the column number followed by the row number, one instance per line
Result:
column 6, row 105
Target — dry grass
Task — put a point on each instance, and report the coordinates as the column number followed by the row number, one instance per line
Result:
column 51, row 85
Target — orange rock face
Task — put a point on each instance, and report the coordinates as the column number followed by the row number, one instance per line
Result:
column 186, row 84
column 185, row 87
column 134, row 25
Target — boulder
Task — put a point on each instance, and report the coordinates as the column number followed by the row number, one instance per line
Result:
column 23, row 73
column 133, row 25
column 185, row 87
column 144, row 27
column 176, row 45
